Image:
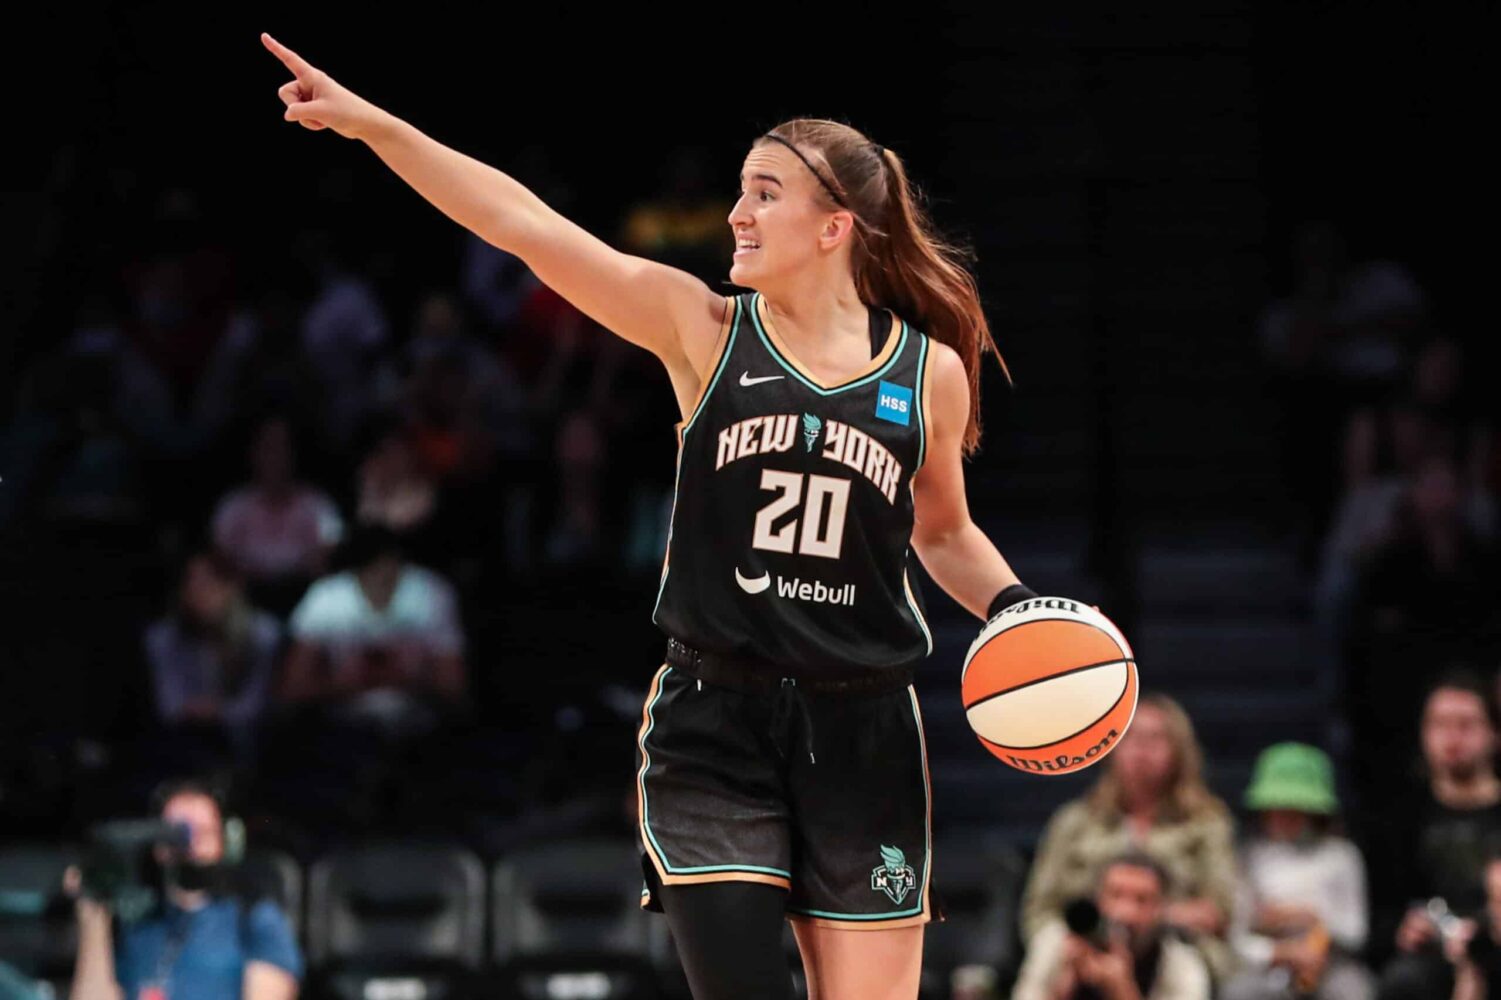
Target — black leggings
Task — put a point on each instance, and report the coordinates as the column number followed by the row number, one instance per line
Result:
column 729, row 938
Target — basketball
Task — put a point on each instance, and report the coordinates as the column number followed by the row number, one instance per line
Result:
column 1050, row 686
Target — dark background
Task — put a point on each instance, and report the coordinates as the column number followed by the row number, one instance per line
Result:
column 1129, row 180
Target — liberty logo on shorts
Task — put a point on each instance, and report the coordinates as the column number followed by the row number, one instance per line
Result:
column 894, row 403
column 893, row 875
column 811, row 426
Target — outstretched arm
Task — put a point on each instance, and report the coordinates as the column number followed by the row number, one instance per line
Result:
column 955, row 552
column 667, row 311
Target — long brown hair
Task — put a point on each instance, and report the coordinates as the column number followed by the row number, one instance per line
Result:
column 1187, row 797
column 899, row 259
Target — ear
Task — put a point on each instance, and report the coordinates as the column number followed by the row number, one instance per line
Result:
column 839, row 226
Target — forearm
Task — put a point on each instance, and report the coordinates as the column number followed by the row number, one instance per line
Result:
column 966, row 564
column 492, row 205
column 94, row 967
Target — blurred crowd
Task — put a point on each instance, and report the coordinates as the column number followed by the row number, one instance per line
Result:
column 306, row 539
column 305, row 519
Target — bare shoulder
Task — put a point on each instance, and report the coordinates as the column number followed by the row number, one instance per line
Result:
column 947, row 389
column 701, row 327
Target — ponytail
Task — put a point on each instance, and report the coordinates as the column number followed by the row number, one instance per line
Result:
column 925, row 278
column 900, row 260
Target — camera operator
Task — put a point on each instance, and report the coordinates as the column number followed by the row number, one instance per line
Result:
column 1129, row 955
column 202, row 941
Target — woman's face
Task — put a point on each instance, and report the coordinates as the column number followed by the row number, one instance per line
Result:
column 205, row 595
column 1145, row 758
column 780, row 222
column 1283, row 824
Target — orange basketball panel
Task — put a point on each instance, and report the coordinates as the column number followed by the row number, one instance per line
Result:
column 1032, row 652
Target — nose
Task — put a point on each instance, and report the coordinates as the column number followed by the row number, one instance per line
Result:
column 739, row 215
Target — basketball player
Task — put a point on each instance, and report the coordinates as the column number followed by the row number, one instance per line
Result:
column 782, row 770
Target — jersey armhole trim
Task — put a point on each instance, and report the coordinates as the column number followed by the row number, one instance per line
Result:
column 727, row 328
column 924, row 396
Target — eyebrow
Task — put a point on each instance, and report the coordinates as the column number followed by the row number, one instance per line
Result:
column 762, row 177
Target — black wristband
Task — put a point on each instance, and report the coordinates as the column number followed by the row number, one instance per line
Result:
column 1014, row 594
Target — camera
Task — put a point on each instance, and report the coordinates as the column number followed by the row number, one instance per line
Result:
column 1083, row 918
column 119, row 869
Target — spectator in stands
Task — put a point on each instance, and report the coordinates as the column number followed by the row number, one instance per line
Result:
column 278, row 530
column 395, row 493
column 345, row 335
column 1437, row 846
column 444, row 419
column 380, row 641
column 1135, row 956
column 1301, row 913
column 204, row 941
column 1473, row 946
column 1151, row 796
column 212, row 657
column 1437, row 571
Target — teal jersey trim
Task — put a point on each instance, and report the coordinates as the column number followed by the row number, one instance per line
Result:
column 724, row 360
column 922, row 622
column 677, row 475
column 922, row 427
column 651, row 723
column 791, row 370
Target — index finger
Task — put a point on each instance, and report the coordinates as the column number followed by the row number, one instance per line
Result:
column 294, row 62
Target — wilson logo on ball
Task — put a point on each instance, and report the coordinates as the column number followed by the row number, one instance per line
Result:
column 1050, row 686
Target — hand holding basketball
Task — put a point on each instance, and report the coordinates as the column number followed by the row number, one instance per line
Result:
column 316, row 100
column 1050, row 685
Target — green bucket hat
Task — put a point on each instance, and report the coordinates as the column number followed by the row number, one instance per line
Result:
column 1293, row 776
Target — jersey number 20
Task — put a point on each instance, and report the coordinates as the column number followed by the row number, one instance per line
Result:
column 822, row 519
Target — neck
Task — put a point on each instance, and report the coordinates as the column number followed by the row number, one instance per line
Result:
column 1467, row 790
column 185, row 900
column 813, row 305
column 1141, row 803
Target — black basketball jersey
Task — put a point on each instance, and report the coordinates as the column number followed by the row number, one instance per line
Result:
column 792, row 520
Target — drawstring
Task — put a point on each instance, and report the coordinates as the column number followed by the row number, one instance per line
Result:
column 789, row 693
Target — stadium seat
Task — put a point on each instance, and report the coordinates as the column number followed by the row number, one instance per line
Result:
column 38, row 933
column 978, row 876
column 396, row 919
column 274, row 875
column 568, row 922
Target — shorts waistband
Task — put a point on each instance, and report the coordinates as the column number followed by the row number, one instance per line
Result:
column 754, row 675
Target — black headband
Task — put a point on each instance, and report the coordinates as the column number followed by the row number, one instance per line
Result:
column 875, row 148
column 798, row 153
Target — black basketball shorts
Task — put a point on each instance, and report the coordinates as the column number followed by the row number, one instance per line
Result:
column 824, row 795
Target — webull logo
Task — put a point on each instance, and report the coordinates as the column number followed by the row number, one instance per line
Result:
column 1063, row 761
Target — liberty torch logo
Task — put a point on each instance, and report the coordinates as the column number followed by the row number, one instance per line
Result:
column 893, row 875
column 811, row 426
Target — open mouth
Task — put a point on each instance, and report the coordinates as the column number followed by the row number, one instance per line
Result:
column 745, row 246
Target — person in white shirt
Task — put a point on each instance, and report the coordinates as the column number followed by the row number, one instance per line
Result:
column 381, row 639
column 1301, row 909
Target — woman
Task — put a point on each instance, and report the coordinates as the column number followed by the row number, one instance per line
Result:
column 782, row 770
column 1151, row 796
column 1301, row 915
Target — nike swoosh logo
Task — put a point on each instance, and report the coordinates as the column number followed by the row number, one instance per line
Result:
column 745, row 378
column 755, row 585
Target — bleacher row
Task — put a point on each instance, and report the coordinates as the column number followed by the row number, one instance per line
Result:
column 427, row 920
